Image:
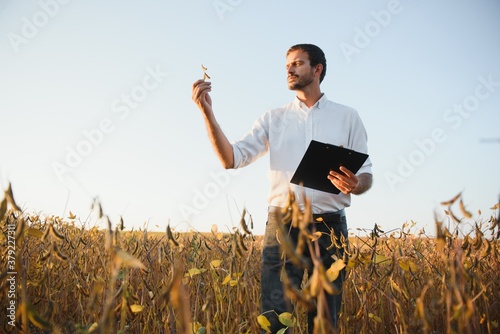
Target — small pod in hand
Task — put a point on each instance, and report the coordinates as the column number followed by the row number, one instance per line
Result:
column 205, row 75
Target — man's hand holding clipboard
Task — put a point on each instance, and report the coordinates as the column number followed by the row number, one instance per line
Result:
column 329, row 168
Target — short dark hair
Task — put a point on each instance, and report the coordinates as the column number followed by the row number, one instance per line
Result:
column 316, row 56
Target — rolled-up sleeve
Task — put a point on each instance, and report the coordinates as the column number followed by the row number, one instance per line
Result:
column 358, row 141
column 253, row 145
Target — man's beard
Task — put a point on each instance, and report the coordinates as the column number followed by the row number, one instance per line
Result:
column 303, row 82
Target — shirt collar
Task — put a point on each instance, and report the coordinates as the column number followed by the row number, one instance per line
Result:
column 320, row 103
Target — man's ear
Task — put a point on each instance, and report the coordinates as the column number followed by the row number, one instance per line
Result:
column 318, row 69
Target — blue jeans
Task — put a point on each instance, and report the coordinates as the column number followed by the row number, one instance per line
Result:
column 272, row 292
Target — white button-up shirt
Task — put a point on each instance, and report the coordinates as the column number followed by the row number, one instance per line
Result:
column 286, row 132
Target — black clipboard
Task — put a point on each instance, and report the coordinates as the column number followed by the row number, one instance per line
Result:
column 319, row 159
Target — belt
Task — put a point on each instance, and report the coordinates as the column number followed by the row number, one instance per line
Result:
column 327, row 217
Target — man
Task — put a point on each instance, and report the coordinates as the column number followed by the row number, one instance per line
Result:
column 285, row 133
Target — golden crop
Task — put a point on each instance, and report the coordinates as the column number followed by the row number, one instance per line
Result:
column 71, row 278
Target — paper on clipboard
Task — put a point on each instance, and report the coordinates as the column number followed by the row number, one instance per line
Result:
column 319, row 159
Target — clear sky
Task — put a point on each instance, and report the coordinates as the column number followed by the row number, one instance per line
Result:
column 95, row 100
